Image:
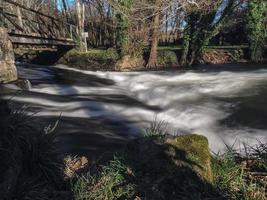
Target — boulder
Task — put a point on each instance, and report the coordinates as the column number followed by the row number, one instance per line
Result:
column 8, row 71
column 172, row 167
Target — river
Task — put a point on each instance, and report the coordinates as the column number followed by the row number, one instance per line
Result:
column 102, row 110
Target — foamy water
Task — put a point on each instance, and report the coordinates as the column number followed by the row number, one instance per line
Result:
column 215, row 104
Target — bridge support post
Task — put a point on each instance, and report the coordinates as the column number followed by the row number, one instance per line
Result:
column 8, row 71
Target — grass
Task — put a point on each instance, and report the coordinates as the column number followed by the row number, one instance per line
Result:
column 109, row 183
column 233, row 180
column 157, row 128
column 30, row 164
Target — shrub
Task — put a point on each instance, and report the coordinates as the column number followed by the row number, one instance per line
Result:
column 167, row 58
column 94, row 59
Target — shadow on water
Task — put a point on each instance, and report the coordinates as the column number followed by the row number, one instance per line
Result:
column 96, row 110
column 97, row 131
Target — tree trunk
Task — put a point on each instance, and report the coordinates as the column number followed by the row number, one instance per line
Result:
column 153, row 56
column 80, row 17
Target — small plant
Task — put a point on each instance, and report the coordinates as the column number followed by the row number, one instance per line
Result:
column 156, row 128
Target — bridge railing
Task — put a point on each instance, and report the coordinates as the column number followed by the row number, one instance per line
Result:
column 19, row 19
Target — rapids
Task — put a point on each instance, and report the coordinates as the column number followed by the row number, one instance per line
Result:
column 227, row 106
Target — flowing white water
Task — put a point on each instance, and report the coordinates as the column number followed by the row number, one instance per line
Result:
column 213, row 104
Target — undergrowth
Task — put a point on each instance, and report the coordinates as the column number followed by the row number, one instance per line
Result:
column 235, row 173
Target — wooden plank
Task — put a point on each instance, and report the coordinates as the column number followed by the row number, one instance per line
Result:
column 19, row 39
column 38, row 42
column 35, row 35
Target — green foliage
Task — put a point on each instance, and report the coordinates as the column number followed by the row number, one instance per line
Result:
column 201, row 28
column 123, row 23
column 256, row 29
column 94, row 59
column 231, row 178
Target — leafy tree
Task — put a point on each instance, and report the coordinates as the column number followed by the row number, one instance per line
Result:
column 202, row 26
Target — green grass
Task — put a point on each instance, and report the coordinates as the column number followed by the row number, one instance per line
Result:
column 156, row 128
column 232, row 179
column 110, row 183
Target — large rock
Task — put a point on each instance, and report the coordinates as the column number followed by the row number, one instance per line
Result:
column 8, row 71
column 172, row 167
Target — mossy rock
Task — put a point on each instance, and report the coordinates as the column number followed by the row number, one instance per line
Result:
column 196, row 148
column 172, row 167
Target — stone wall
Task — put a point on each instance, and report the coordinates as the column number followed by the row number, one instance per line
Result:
column 8, row 71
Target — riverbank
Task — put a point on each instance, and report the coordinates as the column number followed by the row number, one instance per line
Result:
column 168, row 58
column 157, row 166
column 99, row 113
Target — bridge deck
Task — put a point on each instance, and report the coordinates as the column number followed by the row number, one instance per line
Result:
column 38, row 40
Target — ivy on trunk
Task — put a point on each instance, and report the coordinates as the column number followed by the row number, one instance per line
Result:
column 256, row 29
column 201, row 28
column 123, row 23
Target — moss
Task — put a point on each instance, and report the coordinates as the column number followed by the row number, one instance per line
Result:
column 167, row 58
column 94, row 59
column 197, row 151
column 171, row 167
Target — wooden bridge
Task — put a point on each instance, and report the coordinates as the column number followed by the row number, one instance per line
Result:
column 30, row 27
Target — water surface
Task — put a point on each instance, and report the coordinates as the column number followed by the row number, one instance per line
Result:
column 102, row 110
